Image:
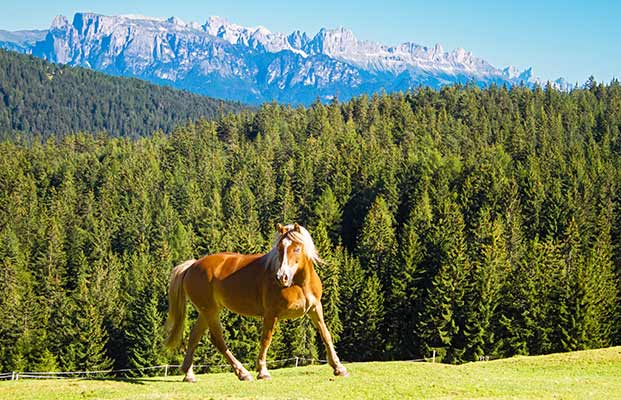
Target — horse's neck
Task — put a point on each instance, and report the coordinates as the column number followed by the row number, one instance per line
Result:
column 304, row 272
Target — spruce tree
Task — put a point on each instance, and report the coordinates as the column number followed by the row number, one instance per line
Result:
column 441, row 323
column 144, row 333
column 329, row 214
column 352, row 282
column 285, row 200
column 570, row 330
column 242, row 335
column 600, row 294
column 540, row 311
column 366, row 325
column 510, row 337
column 486, row 279
column 377, row 243
column 90, row 340
column 406, row 290
column 329, row 273
column 46, row 363
column 15, row 286
column 294, row 338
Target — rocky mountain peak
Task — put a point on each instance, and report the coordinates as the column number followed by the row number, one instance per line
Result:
column 254, row 64
column 59, row 22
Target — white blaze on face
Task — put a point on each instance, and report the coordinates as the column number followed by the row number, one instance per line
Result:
column 285, row 273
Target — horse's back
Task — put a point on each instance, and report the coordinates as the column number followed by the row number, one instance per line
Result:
column 231, row 280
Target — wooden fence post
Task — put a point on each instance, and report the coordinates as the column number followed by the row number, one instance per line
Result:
column 434, row 356
column 166, row 370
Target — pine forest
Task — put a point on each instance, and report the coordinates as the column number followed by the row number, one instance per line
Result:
column 466, row 221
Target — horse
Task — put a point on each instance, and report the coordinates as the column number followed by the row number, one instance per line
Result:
column 280, row 284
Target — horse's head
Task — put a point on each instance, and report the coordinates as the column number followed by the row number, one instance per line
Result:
column 294, row 248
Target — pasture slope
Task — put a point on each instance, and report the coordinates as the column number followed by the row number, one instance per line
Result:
column 592, row 374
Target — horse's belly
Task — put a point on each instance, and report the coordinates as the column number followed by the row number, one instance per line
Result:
column 242, row 307
column 240, row 303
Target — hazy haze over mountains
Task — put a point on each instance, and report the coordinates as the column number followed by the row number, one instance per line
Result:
column 253, row 64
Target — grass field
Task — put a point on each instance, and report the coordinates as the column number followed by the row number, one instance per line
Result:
column 593, row 374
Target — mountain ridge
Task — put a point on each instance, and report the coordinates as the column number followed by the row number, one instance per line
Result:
column 253, row 64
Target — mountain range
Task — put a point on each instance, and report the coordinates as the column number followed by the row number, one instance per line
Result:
column 252, row 64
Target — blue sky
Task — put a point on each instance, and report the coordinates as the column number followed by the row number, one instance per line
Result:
column 573, row 39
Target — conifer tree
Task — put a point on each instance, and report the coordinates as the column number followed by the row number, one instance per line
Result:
column 569, row 295
column 242, row 335
column 287, row 210
column 244, row 233
column 377, row 243
column 209, row 224
column 294, row 338
column 15, row 287
column 46, row 362
column 367, row 321
column 90, row 342
column 538, row 311
column 144, row 332
column 329, row 214
column 182, row 243
column 352, row 282
column 441, row 323
column 487, row 278
column 406, row 290
column 328, row 271
column 510, row 337
column 600, row 294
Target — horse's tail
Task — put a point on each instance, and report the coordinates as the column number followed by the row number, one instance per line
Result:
column 176, row 305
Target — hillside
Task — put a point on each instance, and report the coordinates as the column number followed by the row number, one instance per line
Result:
column 467, row 222
column 37, row 97
column 590, row 374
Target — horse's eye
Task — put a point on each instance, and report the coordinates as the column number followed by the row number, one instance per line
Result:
column 297, row 250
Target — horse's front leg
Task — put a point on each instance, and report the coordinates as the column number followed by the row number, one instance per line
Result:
column 269, row 323
column 316, row 315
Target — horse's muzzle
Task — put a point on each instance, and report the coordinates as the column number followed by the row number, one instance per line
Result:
column 283, row 280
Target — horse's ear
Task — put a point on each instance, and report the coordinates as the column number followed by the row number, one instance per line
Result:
column 281, row 229
column 296, row 227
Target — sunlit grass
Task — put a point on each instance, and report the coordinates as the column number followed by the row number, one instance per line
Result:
column 582, row 375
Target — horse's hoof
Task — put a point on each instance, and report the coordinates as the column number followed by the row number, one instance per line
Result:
column 264, row 377
column 189, row 379
column 245, row 377
column 341, row 372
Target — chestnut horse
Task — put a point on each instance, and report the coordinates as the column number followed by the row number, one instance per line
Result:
column 280, row 284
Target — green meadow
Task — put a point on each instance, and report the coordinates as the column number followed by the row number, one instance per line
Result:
column 592, row 374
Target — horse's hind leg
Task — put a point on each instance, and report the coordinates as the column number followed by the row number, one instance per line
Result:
column 215, row 332
column 195, row 336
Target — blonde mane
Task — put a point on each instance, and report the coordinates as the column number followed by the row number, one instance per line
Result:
column 310, row 251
